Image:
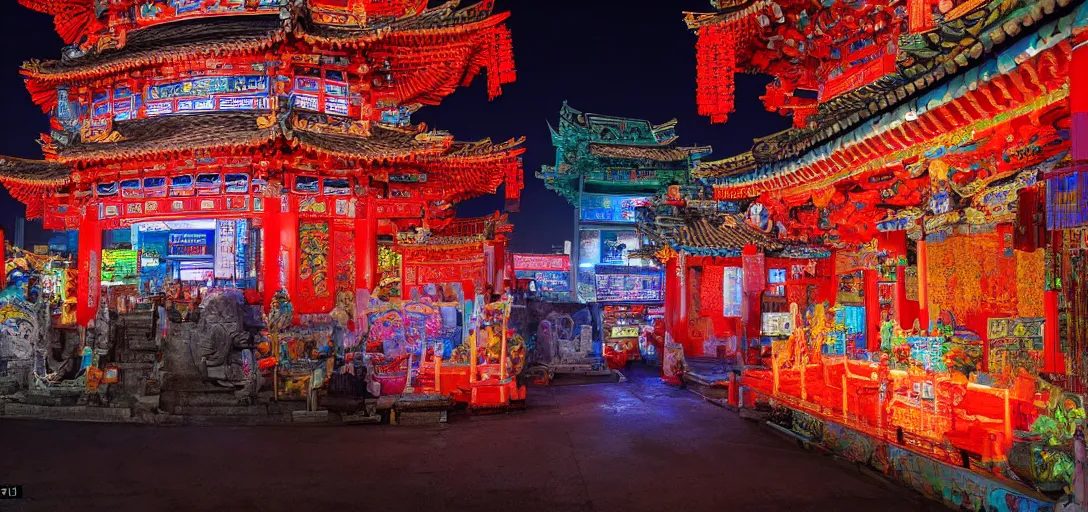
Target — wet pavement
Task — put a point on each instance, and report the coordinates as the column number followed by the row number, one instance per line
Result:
column 626, row 447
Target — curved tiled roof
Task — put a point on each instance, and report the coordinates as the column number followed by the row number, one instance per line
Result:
column 655, row 153
column 168, row 43
column 36, row 172
column 154, row 136
column 382, row 144
column 728, row 232
column 446, row 16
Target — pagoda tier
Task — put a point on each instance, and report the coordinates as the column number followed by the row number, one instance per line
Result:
column 408, row 166
column 616, row 154
column 380, row 78
column 840, row 63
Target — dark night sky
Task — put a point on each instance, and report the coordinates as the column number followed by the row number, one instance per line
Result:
column 632, row 58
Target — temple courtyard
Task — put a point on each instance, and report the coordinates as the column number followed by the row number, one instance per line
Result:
column 632, row 446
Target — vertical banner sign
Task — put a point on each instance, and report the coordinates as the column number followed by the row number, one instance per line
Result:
column 225, row 236
column 755, row 273
column 1078, row 98
column 90, row 266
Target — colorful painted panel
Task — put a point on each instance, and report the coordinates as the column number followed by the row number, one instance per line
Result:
column 120, row 266
column 313, row 264
column 928, row 352
column 344, row 250
column 1015, row 343
column 973, row 273
column 777, row 324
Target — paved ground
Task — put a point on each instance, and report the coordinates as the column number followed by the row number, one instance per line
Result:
column 636, row 446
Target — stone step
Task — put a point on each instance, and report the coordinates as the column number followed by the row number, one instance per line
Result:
column 229, row 421
column 68, row 413
column 136, row 366
column 130, row 357
column 179, row 398
column 414, row 418
column 233, row 410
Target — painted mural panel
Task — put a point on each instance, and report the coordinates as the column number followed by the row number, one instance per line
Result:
column 313, row 264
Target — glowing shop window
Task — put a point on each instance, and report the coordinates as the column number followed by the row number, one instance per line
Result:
column 776, row 279
column 155, row 187
column 209, row 184
column 732, row 293
column 306, row 184
column 237, row 183
column 130, row 188
column 107, row 189
column 337, row 187
column 181, row 185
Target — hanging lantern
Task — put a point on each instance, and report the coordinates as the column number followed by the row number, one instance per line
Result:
column 716, row 71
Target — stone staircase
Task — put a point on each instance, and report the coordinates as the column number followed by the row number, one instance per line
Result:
column 136, row 354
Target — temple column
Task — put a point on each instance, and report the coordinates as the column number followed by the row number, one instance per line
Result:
column 923, row 285
column 289, row 247
column 271, row 246
column 366, row 246
column 89, row 255
column 872, row 310
column 672, row 296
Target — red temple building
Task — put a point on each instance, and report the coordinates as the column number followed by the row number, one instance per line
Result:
column 898, row 276
column 266, row 145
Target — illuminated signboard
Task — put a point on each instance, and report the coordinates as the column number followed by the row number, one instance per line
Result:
column 189, row 244
column 547, row 281
column 558, row 262
column 611, row 208
column 629, row 284
column 119, row 266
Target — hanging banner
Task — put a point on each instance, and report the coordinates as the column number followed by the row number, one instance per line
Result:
column 225, row 235
column 755, row 272
column 90, row 270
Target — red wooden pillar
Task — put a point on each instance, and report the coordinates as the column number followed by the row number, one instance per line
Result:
column 682, row 334
column 672, row 297
column 872, row 310
column 923, row 285
column 1053, row 358
column 366, row 246
column 271, row 242
column 90, row 267
column 289, row 248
